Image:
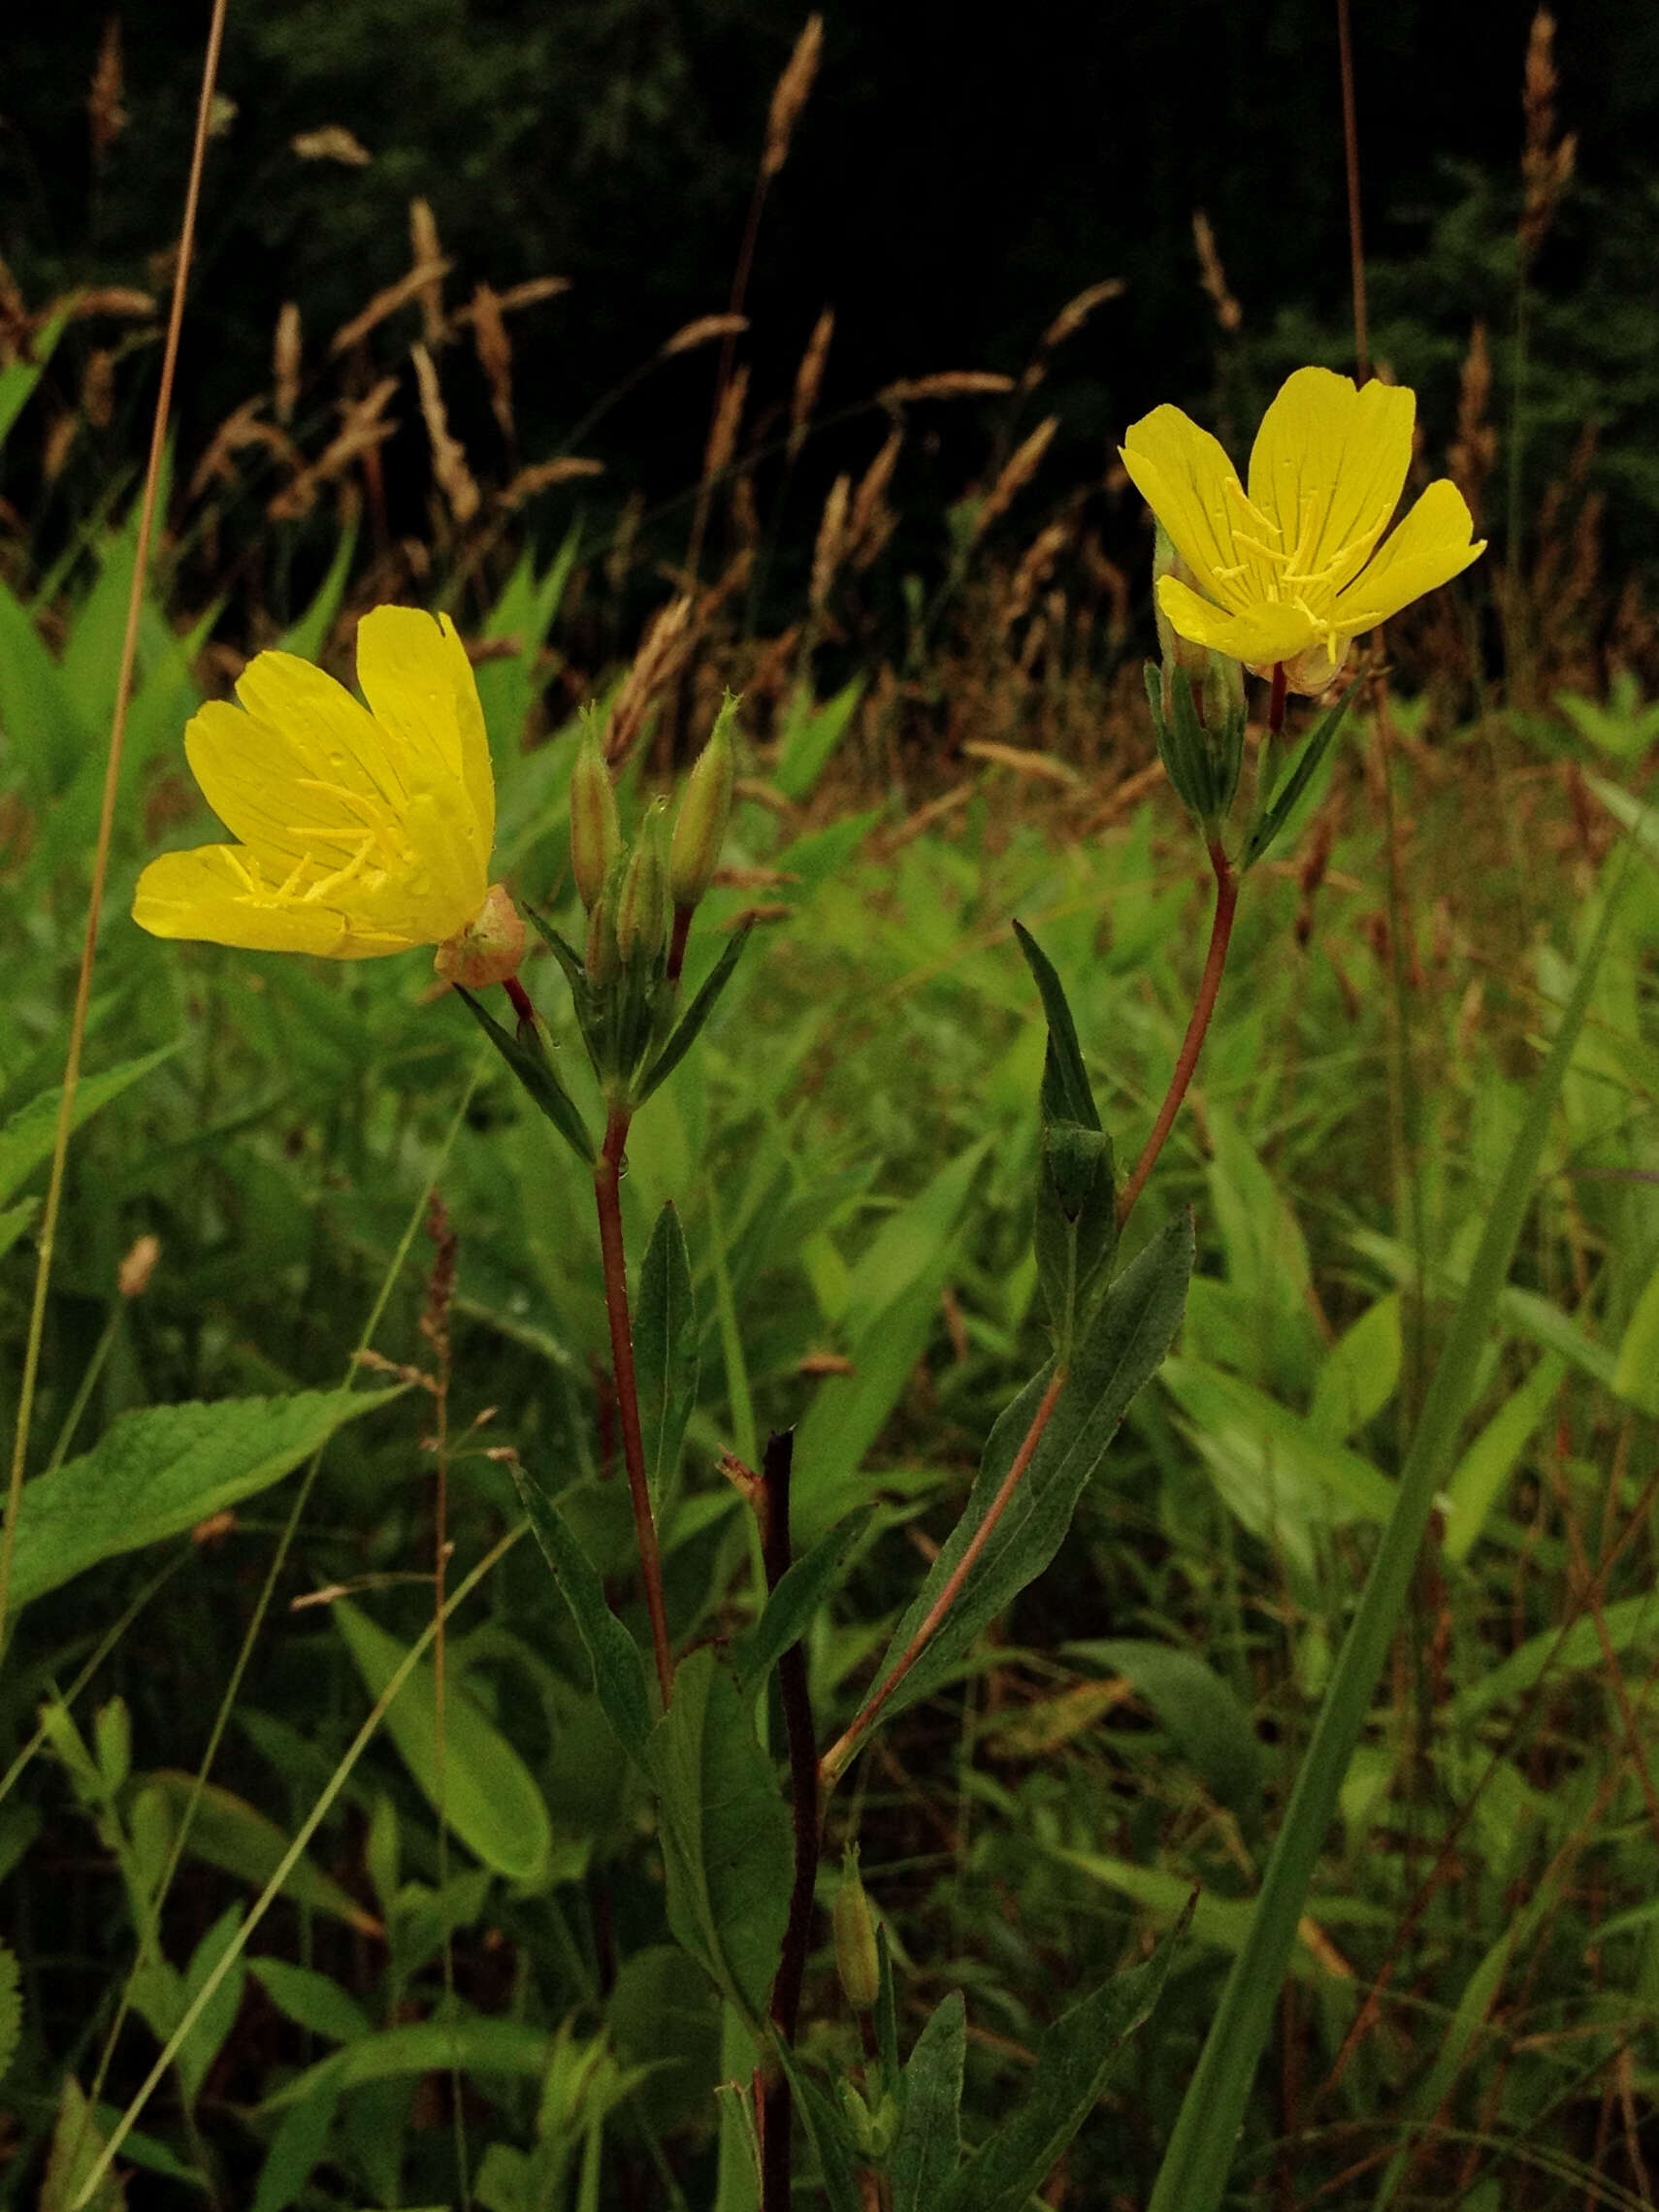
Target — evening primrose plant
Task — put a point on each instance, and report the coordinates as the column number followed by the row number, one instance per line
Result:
column 363, row 831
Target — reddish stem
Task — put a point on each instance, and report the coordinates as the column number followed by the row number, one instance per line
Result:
column 1192, row 1044
column 520, row 998
column 835, row 1760
column 607, row 1179
column 677, row 942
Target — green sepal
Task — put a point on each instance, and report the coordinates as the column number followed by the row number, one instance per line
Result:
column 1317, row 744
column 1066, row 1092
column 1076, row 1230
column 532, row 1069
column 583, row 999
column 696, row 1015
column 1203, row 765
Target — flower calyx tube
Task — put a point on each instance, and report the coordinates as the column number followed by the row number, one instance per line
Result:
column 1198, row 711
column 699, row 829
column 595, row 825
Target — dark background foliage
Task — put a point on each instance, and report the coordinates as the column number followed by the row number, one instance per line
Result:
column 958, row 175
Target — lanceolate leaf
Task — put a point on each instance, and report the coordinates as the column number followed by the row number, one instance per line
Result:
column 162, row 1468
column 28, row 1136
column 928, row 2147
column 797, row 1597
column 534, row 1070
column 1067, row 1096
column 693, row 1020
column 1314, row 750
column 665, row 1349
column 826, row 2129
column 619, row 1672
column 725, row 1831
column 1073, row 2061
column 1128, row 1336
column 489, row 1796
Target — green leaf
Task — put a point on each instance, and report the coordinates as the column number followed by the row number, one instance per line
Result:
column 201, row 2046
column 791, row 1604
column 295, row 2149
column 662, row 2016
column 18, row 378
column 1359, row 1374
column 1636, row 1371
column 488, row 1796
column 1197, row 1707
column 509, row 2048
column 1314, row 747
column 665, row 1350
column 76, row 2145
column 312, row 2001
column 694, row 1017
column 810, row 734
column 1074, row 2059
column 229, row 1833
column 1475, row 1485
column 306, row 637
column 829, row 2132
column 1067, row 1096
column 1124, row 1344
column 619, row 1672
column 727, row 1849
column 534, row 1071
column 893, row 1288
column 1076, row 1231
column 29, row 1134
column 160, row 1470
column 13, row 1221
column 927, row 2148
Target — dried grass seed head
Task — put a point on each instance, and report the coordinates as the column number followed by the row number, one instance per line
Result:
column 792, row 90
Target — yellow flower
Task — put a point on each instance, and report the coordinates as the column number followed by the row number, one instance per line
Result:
column 363, row 831
column 1291, row 571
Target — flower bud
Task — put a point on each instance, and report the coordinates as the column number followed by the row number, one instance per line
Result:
column 600, row 958
column 596, row 827
column 1175, row 651
column 858, row 1960
column 642, row 904
column 704, row 811
column 490, row 947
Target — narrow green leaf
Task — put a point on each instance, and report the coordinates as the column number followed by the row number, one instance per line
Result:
column 1199, row 1709
column 811, row 733
column 1636, row 1370
column 488, row 1795
column 725, row 1831
column 1475, row 1485
column 1314, row 747
column 202, row 2045
column 791, row 1604
column 18, row 378
column 76, row 2146
column 160, row 1470
column 534, row 1071
column 29, row 1134
column 1124, row 1344
column 311, row 1999
column 228, row 1832
column 511, row 2048
column 927, row 2148
column 1074, row 2059
column 306, row 637
column 619, row 1672
column 295, row 2149
column 665, row 1350
column 1072, row 1098
column 829, row 2132
column 1193, row 2174
column 694, row 1017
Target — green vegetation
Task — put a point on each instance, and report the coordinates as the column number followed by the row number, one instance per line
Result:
column 1310, row 1718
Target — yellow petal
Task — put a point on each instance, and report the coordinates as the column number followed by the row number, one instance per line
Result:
column 1328, row 466
column 206, row 895
column 1431, row 546
column 1264, row 633
column 415, row 675
column 1182, row 474
column 264, row 780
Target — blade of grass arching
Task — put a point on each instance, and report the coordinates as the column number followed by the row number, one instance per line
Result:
column 1195, row 2165
column 111, row 787
column 278, row 1560
column 267, row 1896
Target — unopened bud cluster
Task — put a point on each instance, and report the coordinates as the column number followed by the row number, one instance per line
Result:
column 639, row 897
